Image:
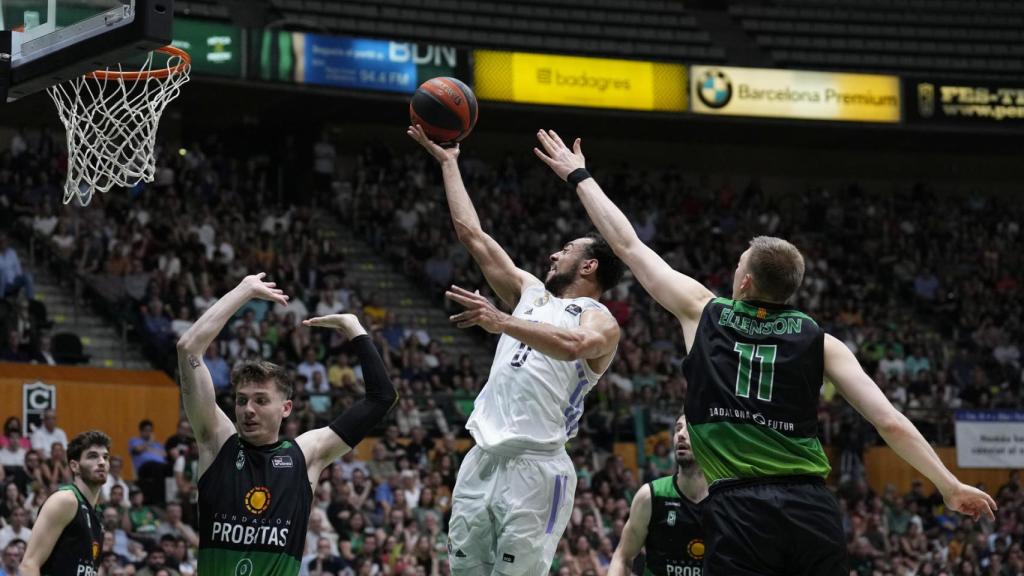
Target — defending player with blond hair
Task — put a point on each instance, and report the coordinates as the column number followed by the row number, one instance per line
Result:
column 754, row 369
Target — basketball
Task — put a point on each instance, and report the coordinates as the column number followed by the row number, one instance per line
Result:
column 445, row 108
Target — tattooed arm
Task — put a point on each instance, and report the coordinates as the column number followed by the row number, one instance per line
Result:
column 209, row 424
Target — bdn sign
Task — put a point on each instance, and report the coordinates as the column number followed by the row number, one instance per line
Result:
column 36, row 398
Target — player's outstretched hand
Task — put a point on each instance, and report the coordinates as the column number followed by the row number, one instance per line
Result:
column 442, row 155
column 972, row 502
column 479, row 310
column 258, row 288
column 557, row 155
column 347, row 324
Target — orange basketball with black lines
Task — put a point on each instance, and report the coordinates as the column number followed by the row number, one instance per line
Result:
column 446, row 109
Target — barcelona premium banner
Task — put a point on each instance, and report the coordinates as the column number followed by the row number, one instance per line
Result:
column 967, row 103
column 359, row 63
column 577, row 81
column 795, row 94
column 215, row 47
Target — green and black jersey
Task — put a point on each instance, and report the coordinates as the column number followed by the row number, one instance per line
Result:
column 675, row 541
column 77, row 549
column 254, row 505
column 754, row 376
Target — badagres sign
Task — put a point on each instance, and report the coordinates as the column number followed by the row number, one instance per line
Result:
column 550, row 79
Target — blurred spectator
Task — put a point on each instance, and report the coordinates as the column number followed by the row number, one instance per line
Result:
column 178, row 442
column 12, row 456
column 112, row 524
column 44, row 437
column 186, row 473
column 12, row 277
column 14, row 423
column 150, row 462
column 12, row 349
column 43, row 354
column 114, row 478
column 55, row 469
column 310, row 366
column 118, row 502
column 12, row 500
column 16, row 528
column 9, row 564
column 156, row 564
column 173, row 525
column 141, row 521
column 220, row 372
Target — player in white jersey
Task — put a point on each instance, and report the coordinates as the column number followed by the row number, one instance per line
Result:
column 514, row 491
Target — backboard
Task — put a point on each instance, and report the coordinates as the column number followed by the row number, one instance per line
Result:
column 45, row 42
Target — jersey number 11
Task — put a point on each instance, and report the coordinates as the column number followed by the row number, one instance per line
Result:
column 766, row 370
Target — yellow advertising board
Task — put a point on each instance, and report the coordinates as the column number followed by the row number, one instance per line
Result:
column 795, row 94
column 578, row 81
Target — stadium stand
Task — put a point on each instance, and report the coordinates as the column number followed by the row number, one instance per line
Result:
column 967, row 39
column 926, row 362
column 649, row 29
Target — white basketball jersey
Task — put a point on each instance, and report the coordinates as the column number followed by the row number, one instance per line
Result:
column 531, row 402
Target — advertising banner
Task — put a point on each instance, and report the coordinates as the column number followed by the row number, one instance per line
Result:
column 215, row 47
column 965, row 103
column 358, row 63
column 529, row 78
column 990, row 438
column 796, row 94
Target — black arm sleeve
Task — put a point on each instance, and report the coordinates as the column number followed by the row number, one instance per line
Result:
column 355, row 423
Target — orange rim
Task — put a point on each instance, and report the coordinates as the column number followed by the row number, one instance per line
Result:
column 186, row 61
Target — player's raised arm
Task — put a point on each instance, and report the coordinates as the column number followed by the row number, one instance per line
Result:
column 501, row 273
column 57, row 512
column 677, row 292
column 633, row 534
column 842, row 367
column 211, row 426
column 595, row 339
column 325, row 445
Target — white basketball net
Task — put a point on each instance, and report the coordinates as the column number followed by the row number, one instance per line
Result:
column 111, row 119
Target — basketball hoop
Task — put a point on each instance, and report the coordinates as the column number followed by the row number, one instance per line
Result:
column 111, row 118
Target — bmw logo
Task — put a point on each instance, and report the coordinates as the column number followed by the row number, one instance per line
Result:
column 714, row 88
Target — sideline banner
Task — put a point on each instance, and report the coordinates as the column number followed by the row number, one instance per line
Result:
column 797, row 94
column 529, row 78
column 990, row 438
column 215, row 47
column 964, row 103
column 359, row 63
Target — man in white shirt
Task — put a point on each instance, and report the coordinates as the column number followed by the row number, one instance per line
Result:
column 13, row 455
column 114, row 478
column 329, row 304
column 44, row 436
column 295, row 306
column 310, row 365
